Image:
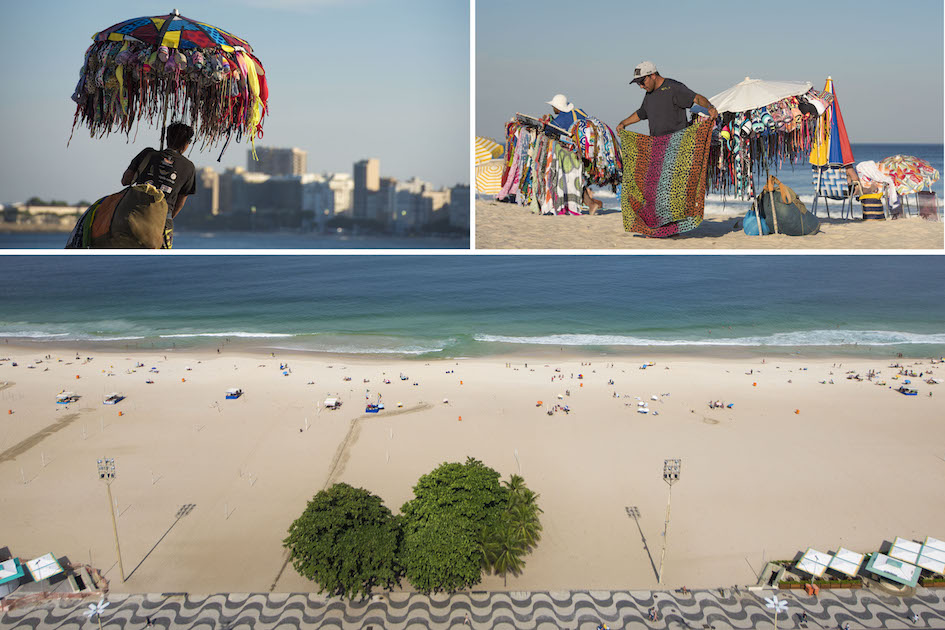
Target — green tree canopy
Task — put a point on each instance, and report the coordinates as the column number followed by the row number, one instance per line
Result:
column 444, row 524
column 347, row 541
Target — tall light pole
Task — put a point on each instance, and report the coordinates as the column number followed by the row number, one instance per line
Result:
column 671, row 470
column 106, row 472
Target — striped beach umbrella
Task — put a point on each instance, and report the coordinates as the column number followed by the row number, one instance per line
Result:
column 489, row 177
column 487, row 149
column 831, row 142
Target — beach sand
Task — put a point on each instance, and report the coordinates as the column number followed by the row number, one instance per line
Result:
column 510, row 226
column 795, row 463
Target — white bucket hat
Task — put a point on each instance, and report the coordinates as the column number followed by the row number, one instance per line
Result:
column 560, row 102
column 642, row 71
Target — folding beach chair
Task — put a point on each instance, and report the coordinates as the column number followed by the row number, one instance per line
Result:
column 830, row 182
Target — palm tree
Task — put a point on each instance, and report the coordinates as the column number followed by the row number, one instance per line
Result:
column 489, row 549
column 510, row 548
column 530, row 500
column 515, row 484
column 524, row 520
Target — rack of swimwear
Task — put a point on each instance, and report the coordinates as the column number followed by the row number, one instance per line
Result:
column 215, row 83
column 548, row 172
column 747, row 143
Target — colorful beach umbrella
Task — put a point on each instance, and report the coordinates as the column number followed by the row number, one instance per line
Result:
column 489, row 177
column 171, row 66
column 831, row 143
column 174, row 31
column 909, row 174
column 487, row 149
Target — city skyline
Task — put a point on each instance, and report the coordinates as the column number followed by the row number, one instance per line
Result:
column 332, row 91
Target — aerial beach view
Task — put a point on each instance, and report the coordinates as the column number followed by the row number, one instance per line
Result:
column 668, row 141
column 781, row 384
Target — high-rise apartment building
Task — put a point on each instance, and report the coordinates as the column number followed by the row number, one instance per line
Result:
column 367, row 182
column 274, row 161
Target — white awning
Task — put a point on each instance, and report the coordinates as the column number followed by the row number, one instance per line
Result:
column 905, row 550
column 814, row 562
column 847, row 562
column 932, row 556
column 44, row 567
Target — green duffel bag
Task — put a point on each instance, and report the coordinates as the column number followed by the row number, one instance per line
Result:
column 793, row 216
column 138, row 221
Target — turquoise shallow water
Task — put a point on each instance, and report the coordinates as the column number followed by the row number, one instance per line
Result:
column 439, row 306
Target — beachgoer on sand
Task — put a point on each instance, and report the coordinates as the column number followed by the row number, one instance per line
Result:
column 168, row 171
column 665, row 103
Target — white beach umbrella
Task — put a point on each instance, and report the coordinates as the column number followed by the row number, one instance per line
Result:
column 96, row 610
column 755, row 93
column 778, row 605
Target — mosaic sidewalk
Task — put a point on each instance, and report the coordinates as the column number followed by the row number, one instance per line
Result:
column 575, row 610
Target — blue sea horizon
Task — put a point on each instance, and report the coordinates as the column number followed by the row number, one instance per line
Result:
column 429, row 307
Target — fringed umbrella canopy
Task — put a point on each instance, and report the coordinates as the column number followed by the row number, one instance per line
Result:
column 151, row 68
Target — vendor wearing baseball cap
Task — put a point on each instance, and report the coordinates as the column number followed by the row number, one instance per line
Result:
column 665, row 102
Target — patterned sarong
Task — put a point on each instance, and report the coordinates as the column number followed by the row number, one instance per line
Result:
column 664, row 180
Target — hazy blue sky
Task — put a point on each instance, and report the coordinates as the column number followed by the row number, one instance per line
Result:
column 348, row 79
column 886, row 58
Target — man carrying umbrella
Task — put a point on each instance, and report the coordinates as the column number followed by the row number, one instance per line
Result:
column 665, row 103
column 168, row 171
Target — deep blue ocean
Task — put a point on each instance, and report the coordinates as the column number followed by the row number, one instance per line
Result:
column 460, row 306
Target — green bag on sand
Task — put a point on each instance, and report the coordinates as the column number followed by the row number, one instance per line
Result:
column 138, row 221
column 793, row 216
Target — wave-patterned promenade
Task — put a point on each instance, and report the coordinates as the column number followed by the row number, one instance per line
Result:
column 717, row 609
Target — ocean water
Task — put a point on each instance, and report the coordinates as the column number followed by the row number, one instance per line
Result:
column 184, row 240
column 463, row 306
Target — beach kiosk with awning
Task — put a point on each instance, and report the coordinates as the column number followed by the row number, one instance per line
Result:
column 813, row 562
column 932, row 556
column 905, row 550
column 896, row 570
column 846, row 562
column 11, row 572
column 332, row 403
column 44, row 567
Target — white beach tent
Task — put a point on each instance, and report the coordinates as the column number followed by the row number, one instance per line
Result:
column 813, row 562
column 846, row 562
column 905, row 550
column 44, row 567
column 932, row 556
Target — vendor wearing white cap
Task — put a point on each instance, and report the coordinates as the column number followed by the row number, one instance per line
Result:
column 665, row 103
column 566, row 114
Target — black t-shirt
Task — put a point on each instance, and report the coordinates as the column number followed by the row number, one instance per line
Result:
column 665, row 107
column 168, row 171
